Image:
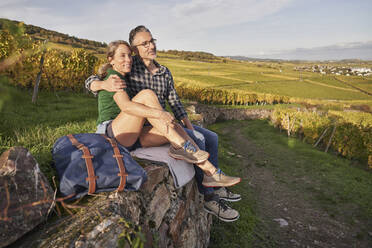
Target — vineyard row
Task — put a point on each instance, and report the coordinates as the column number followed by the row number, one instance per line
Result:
column 349, row 138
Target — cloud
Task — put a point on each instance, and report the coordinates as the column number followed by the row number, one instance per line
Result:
column 95, row 20
column 347, row 50
column 113, row 19
column 202, row 14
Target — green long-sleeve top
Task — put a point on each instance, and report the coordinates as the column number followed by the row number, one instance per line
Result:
column 107, row 107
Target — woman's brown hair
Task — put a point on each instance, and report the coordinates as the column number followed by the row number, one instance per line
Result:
column 111, row 49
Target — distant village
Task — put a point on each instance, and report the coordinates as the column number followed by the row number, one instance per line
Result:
column 326, row 69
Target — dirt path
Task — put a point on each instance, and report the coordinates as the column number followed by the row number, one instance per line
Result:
column 353, row 86
column 290, row 218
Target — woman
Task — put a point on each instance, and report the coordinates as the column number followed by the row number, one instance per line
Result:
column 124, row 118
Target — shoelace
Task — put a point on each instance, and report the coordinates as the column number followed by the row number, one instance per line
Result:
column 228, row 192
column 220, row 172
column 189, row 147
column 221, row 204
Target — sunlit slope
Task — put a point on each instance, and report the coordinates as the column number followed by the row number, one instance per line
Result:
column 272, row 78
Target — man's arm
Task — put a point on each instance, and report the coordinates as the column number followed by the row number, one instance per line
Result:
column 176, row 105
column 113, row 84
column 187, row 123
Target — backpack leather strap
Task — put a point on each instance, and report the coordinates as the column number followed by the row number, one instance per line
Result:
column 88, row 162
column 119, row 159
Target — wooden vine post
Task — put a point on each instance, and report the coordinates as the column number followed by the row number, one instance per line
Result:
column 321, row 137
column 293, row 123
column 38, row 77
column 330, row 139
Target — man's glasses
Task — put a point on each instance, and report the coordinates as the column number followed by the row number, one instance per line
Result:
column 146, row 44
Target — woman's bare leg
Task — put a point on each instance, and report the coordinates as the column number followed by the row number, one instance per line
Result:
column 127, row 129
column 151, row 137
column 206, row 166
column 146, row 97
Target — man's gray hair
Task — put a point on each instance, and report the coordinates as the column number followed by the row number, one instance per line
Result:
column 136, row 30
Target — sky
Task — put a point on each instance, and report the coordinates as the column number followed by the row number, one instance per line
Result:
column 284, row 29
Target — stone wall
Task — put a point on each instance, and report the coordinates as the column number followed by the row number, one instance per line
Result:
column 158, row 215
column 208, row 114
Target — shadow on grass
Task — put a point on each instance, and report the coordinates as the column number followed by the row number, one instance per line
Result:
column 339, row 186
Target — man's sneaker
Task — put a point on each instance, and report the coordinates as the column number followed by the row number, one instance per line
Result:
column 189, row 153
column 221, row 210
column 219, row 179
column 227, row 195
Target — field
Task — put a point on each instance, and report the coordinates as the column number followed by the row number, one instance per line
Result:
column 269, row 78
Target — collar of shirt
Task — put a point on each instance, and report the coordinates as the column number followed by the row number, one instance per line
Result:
column 140, row 66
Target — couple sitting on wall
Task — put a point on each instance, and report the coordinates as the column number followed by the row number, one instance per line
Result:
column 131, row 109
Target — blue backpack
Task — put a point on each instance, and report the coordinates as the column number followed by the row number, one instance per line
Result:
column 89, row 163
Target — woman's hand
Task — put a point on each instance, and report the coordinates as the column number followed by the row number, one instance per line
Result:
column 166, row 117
column 114, row 83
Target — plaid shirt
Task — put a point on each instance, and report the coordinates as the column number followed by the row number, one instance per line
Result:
column 161, row 83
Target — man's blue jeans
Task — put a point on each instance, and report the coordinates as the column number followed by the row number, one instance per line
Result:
column 207, row 141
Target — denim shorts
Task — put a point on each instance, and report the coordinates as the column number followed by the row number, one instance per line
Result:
column 106, row 128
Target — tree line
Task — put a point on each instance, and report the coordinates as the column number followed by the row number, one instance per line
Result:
column 39, row 33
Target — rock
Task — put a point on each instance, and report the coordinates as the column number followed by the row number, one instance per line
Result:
column 159, row 205
column 155, row 174
column 282, row 222
column 128, row 211
column 188, row 237
column 191, row 109
column 164, row 217
column 25, row 194
column 175, row 225
column 295, row 242
column 163, row 230
column 313, row 228
column 101, row 227
column 212, row 114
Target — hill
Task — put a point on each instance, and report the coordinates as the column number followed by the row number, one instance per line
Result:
column 66, row 42
column 39, row 33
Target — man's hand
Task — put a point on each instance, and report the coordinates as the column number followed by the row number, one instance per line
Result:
column 187, row 123
column 114, row 83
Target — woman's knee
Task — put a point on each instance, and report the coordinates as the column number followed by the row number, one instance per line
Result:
column 145, row 96
column 148, row 93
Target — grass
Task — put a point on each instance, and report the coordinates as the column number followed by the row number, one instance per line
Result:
column 249, row 227
column 338, row 186
column 38, row 126
column 339, row 181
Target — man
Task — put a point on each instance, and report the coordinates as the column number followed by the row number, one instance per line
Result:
column 148, row 74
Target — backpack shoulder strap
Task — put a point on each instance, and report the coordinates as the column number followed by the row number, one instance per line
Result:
column 119, row 159
column 88, row 162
